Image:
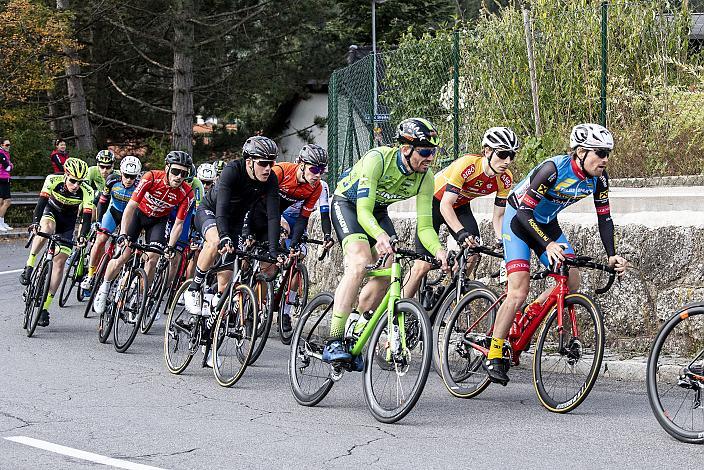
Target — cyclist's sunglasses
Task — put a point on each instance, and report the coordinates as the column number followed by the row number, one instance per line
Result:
column 265, row 163
column 427, row 152
column 106, row 167
column 207, row 183
column 74, row 181
column 504, row 154
column 129, row 177
column 316, row 170
column 602, row 153
column 179, row 173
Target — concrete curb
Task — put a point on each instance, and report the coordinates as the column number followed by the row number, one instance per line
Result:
column 13, row 234
column 632, row 370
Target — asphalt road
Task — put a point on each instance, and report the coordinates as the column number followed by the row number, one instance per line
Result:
column 63, row 388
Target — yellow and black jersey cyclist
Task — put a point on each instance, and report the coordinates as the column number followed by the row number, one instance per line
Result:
column 57, row 212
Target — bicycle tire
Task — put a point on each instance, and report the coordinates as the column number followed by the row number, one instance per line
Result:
column 298, row 305
column 241, row 305
column 577, row 347
column 81, row 270
column 69, row 278
column 154, row 298
column 176, row 336
column 307, row 345
column 136, row 285
column 42, row 282
column 378, row 358
column 265, row 315
column 681, row 385
column 97, row 281
column 460, row 363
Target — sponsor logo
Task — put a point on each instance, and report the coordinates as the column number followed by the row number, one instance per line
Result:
column 534, row 225
column 340, row 220
column 468, row 171
column 506, row 180
column 604, row 194
column 542, row 189
column 363, row 192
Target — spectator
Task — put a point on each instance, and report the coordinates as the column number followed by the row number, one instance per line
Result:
column 59, row 156
column 5, row 169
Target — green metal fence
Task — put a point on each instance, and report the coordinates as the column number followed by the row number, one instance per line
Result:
column 636, row 66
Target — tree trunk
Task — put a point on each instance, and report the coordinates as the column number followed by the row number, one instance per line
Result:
column 76, row 95
column 182, row 103
column 53, row 113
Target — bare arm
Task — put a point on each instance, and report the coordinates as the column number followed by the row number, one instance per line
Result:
column 127, row 215
column 497, row 220
column 448, row 212
column 175, row 232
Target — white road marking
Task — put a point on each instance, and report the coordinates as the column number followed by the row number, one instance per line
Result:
column 12, row 272
column 79, row 454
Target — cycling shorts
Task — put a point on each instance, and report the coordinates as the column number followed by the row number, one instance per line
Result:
column 347, row 227
column 111, row 219
column 65, row 226
column 465, row 216
column 518, row 242
column 154, row 229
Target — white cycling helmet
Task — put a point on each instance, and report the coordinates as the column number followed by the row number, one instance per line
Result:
column 501, row 138
column 130, row 165
column 591, row 136
column 206, row 172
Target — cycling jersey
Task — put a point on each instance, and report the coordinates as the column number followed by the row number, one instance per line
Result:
column 291, row 191
column 156, row 197
column 531, row 220
column 292, row 213
column 467, row 178
column 58, row 159
column 379, row 179
column 59, row 201
column 113, row 201
column 198, row 192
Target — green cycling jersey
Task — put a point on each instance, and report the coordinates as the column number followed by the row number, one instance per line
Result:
column 379, row 179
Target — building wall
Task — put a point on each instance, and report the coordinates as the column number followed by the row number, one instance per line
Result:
column 302, row 116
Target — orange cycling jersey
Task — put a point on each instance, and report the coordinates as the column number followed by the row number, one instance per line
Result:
column 291, row 191
column 466, row 177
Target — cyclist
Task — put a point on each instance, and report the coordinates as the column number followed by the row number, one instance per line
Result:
column 58, row 156
column 468, row 177
column 111, row 205
column 150, row 204
column 220, row 217
column 219, row 165
column 98, row 173
column 207, row 175
column 384, row 175
column 56, row 212
column 531, row 223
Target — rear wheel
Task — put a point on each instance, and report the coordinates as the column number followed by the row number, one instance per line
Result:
column 129, row 310
column 157, row 289
column 566, row 362
column 96, row 282
column 182, row 335
column 296, row 304
column 70, row 278
column 311, row 378
column 264, row 293
column 394, row 377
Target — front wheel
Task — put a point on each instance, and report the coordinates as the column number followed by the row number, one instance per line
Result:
column 129, row 310
column 182, row 334
column 294, row 302
column 394, row 373
column 70, row 277
column 157, row 289
column 264, row 293
column 37, row 296
column 675, row 376
column 566, row 361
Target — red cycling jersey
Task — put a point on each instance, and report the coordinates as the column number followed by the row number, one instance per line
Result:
column 291, row 191
column 156, row 198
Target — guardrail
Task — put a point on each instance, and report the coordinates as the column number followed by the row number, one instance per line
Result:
column 20, row 198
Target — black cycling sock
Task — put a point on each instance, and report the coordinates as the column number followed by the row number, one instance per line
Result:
column 198, row 279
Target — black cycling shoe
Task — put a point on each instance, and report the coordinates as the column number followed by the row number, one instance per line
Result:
column 497, row 369
column 43, row 318
column 286, row 323
column 26, row 275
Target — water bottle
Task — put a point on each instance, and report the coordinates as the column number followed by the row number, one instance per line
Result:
column 205, row 308
column 213, row 311
column 351, row 323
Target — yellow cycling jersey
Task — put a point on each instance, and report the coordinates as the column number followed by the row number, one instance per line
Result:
column 466, row 177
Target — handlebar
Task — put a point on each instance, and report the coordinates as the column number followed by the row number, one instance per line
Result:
column 51, row 236
column 581, row 262
column 305, row 239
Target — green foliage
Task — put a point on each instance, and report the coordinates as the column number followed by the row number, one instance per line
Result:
column 31, row 139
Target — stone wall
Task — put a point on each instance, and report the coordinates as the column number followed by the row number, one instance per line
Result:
column 667, row 272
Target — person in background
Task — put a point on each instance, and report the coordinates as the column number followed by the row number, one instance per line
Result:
column 58, row 157
column 5, row 170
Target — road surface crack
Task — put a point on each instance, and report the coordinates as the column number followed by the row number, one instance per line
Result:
column 349, row 451
column 158, row 454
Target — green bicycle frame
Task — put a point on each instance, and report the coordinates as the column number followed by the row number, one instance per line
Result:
column 388, row 304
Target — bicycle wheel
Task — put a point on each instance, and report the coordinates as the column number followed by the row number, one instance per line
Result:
column 69, row 280
column 311, row 378
column 394, row 380
column 95, row 284
column 36, row 301
column 468, row 327
column 300, row 275
column 234, row 335
column 106, row 321
column 81, row 271
column 129, row 310
column 157, row 289
column 566, row 365
column 264, row 293
column 675, row 375
column 182, row 334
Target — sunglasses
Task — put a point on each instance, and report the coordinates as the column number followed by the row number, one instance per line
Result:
column 106, row 167
column 207, row 183
column 504, row 154
column 74, row 181
column 129, row 177
column 265, row 163
column 6, row 145
column 602, row 153
column 427, row 152
column 179, row 173
column 316, row 170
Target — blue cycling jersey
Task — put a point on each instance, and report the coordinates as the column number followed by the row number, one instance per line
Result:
column 117, row 193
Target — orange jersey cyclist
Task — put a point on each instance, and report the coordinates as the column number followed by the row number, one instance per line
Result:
column 469, row 177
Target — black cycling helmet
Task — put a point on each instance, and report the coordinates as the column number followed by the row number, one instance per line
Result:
column 314, row 155
column 179, row 157
column 417, row 132
column 260, row 148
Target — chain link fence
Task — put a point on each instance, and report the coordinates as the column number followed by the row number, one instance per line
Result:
column 636, row 66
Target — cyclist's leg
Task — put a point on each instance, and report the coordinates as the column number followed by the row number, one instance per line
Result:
column 373, row 292
column 205, row 223
column 108, row 224
column 574, row 277
column 420, row 268
column 63, row 226
column 155, row 235
column 469, row 223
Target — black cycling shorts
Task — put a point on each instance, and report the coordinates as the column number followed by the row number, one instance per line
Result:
column 347, row 227
column 465, row 216
column 65, row 222
column 204, row 220
column 5, row 189
column 154, row 229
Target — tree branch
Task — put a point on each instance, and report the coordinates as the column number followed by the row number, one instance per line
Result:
column 137, row 100
column 235, row 12
column 229, row 30
column 126, row 29
column 145, row 57
column 126, row 124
